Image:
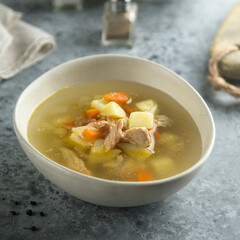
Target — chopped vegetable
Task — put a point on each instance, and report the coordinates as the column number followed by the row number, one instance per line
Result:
column 154, row 110
column 173, row 142
column 75, row 140
column 163, row 166
column 112, row 109
column 91, row 113
column 120, row 98
column 127, row 109
column 134, row 151
column 99, row 157
column 144, row 175
column 167, row 138
column 91, row 134
column 98, row 104
column 68, row 124
column 147, row 106
column 98, row 153
column 141, row 119
column 156, row 135
column 79, row 130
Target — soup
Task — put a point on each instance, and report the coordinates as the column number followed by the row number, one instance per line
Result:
column 116, row 130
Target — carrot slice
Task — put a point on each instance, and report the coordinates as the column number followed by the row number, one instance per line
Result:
column 156, row 135
column 127, row 109
column 91, row 113
column 91, row 134
column 143, row 175
column 68, row 124
column 120, row 98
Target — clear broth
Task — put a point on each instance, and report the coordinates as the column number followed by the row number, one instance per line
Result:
column 72, row 100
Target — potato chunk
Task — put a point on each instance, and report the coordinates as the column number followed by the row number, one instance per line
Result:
column 76, row 140
column 78, row 130
column 134, row 151
column 173, row 142
column 98, row 104
column 112, row 109
column 141, row 119
column 98, row 153
column 147, row 106
column 163, row 166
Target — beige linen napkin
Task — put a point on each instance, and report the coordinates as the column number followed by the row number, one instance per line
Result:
column 21, row 44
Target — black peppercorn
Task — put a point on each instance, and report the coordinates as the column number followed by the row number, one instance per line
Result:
column 13, row 213
column 29, row 212
column 42, row 214
column 33, row 228
column 33, row 203
column 15, row 202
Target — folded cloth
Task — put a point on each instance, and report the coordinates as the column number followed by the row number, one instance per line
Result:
column 21, row 44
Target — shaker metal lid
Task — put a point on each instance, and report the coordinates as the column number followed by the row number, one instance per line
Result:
column 120, row 6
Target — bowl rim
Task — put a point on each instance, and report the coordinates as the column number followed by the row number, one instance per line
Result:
column 197, row 165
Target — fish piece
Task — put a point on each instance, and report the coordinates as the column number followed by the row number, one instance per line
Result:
column 114, row 136
column 73, row 161
column 163, row 121
column 138, row 135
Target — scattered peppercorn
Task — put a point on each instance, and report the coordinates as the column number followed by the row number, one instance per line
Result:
column 33, row 228
column 13, row 213
column 33, row 203
column 42, row 214
column 29, row 212
column 15, row 202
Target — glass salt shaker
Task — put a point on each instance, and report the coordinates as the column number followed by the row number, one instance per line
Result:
column 119, row 21
column 61, row 5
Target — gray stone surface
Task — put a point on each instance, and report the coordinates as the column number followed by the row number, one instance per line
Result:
column 177, row 34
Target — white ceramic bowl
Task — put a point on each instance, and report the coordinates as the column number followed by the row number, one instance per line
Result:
column 103, row 67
